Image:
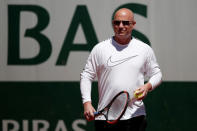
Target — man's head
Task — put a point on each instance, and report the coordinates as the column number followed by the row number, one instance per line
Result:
column 123, row 23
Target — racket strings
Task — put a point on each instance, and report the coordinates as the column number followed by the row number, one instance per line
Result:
column 117, row 107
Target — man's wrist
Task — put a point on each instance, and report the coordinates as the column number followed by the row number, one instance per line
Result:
column 87, row 103
column 148, row 86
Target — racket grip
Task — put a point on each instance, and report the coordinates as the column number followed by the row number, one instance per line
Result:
column 96, row 113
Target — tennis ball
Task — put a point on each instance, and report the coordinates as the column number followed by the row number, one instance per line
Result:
column 137, row 95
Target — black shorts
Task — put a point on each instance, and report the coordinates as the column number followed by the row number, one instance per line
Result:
column 134, row 124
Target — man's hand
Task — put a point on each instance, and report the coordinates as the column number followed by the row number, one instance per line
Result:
column 142, row 91
column 89, row 111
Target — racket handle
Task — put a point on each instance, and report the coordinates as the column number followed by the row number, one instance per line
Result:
column 96, row 113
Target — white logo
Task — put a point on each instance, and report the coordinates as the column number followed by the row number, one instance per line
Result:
column 111, row 63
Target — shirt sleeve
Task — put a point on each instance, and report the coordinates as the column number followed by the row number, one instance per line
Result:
column 87, row 76
column 152, row 69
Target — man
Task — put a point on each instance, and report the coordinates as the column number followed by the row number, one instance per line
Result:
column 120, row 63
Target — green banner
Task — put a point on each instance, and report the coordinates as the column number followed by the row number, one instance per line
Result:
column 57, row 106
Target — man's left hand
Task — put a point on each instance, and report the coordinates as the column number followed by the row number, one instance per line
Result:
column 142, row 91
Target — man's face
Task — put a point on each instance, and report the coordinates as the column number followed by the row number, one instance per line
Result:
column 123, row 24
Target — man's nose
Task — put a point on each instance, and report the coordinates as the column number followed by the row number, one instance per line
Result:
column 121, row 25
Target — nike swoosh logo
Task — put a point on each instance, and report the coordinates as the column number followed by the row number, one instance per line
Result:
column 111, row 63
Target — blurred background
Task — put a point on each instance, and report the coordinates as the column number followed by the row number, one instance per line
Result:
column 44, row 45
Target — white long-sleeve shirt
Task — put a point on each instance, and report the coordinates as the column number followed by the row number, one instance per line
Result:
column 119, row 67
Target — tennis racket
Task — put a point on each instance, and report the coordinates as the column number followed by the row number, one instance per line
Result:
column 116, row 108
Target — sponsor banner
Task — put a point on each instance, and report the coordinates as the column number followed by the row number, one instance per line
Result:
column 44, row 106
column 57, row 106
column 50, row 40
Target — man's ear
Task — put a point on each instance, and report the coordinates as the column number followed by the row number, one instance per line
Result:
column 134, row 22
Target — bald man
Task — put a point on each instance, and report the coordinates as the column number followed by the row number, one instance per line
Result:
column 120, row 63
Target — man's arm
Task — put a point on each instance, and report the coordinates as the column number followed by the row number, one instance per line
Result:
column 86, row 78
column 153, row 71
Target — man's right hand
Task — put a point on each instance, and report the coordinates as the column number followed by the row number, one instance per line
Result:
column 89, row 111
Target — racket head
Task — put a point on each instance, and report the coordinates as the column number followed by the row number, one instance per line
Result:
column 117, row 107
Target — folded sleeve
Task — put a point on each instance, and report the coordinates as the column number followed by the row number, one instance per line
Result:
column 152, row 69
column 87, row 76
